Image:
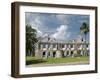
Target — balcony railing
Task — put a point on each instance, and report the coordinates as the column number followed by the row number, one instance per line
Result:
column 71, row 46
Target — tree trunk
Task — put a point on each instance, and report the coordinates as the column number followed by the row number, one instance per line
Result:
column 85, row 46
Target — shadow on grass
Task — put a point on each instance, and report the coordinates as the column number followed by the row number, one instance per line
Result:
column 35, row 61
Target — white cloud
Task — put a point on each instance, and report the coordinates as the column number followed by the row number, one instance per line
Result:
column 39, row 33
column 35, row 22
column 61, row 33
column 38, row 22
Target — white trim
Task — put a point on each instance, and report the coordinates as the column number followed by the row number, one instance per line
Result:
column 51, row 69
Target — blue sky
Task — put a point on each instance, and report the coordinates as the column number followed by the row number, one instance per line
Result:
column 59, row 26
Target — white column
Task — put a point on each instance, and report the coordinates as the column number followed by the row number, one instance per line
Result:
column 51, row 46
column 65, row 53
column 41, row 46
column 81, row 46
column 69, row 46
column 56, row 46
column 51, row 54
column 65, row 46
column 46, row 54
column 46, row 46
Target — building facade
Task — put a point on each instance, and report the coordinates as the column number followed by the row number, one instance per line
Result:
column 61, row 49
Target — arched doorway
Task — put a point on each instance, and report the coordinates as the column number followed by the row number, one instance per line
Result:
column 71, row 53
column 43, row 54
column 54, row 54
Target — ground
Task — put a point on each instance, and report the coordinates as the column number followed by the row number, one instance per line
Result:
column 79, row 60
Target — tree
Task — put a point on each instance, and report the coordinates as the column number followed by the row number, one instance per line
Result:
column 30, row 40
column 84, row 29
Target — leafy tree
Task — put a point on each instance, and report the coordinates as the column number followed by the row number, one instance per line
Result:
column 30, row 40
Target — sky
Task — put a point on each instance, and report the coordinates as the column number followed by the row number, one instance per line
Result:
column 59, row 26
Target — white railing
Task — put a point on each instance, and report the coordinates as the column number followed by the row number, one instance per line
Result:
column 79, row 46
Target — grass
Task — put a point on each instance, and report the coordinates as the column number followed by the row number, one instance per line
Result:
column 34, row 60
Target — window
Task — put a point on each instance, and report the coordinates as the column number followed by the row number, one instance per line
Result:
column 54, row 45
column 43, row 45
column 63, row 45
column 71, row 45
column 87, row 45
column 51, row 46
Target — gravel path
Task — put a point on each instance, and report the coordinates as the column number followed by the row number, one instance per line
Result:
column 59, row 64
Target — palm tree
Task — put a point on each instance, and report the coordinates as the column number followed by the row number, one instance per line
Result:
column 84, row 29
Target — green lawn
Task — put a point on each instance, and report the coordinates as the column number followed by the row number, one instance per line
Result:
column 33, row 60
